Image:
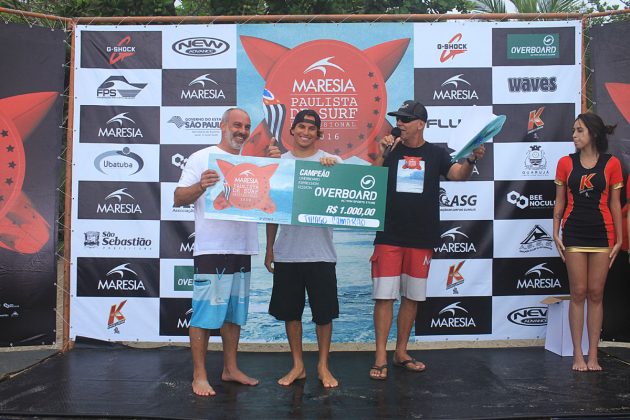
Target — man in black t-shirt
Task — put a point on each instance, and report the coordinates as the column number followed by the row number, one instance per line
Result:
column 403, row 250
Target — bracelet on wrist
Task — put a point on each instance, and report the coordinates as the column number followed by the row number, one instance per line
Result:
column 203, row 190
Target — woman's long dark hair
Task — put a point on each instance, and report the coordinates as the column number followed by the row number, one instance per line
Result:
column 597, row 129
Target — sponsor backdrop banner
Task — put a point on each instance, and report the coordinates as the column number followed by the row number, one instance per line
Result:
column 30, row 140
column 610, row 59
column 148, row 97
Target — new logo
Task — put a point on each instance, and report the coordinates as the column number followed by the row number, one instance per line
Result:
column 200, row 46
column 532, row 316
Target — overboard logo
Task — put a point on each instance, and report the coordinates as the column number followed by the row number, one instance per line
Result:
column 536, row 239
column 203, row 88
column 117, row 206
column 535, row 163
column 452, row 48
column 457, row 244
column 453, row 316
column 533, row 46
column 116, row 317
column 122, row 281
column 463, row 202
column 120, row 127
column 200, row 46
column 121, row 50
column 538, row 277
column 119, row 87
column 455, row 88
column 532, row 316
column 119, row 161
column 183, row 276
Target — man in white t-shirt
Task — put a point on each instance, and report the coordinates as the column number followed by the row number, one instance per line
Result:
column 302, row 259
column 222, row 259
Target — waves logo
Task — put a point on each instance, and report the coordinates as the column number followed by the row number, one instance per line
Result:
column 200, row 46
column 121, row 50
column 245, row 186
column 452, row 48
column 538, row 277
column 118, row 87
column 119, row 161
column 536, row 239
column 532, row 84
column 116, row 317
column 454, row 277
column 534, row 122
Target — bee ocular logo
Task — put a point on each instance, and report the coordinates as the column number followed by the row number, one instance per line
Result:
column 532, row 316
column 200, row 46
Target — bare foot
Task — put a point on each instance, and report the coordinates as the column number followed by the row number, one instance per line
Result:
column 293, row 375
column 328, row 380
column 593, row 365
column 238, row 376
column 578, row 364
column 202, row 388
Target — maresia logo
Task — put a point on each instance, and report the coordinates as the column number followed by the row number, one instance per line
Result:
column 131, row 277
column 453, row 86
column 532, row 84
column 175, row 314
column 199, row 87
column 538, row 277
column 118, row 87
column 119, row 200
column 123, row 162
column 464, row 239
column 200, row 46
column 455, row 241
column 120, row 124
column 452, row 48
column 456, row 316
column 528, row 276
column 177, row 239
column 531, row 316
column 121, row 50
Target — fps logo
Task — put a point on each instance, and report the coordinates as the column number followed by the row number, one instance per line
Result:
column 119, row 87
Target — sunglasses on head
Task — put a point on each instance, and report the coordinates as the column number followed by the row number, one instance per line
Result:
column 405, row 120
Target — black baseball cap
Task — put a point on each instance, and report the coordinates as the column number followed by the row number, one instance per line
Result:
column 411, row 109
column 308, row 116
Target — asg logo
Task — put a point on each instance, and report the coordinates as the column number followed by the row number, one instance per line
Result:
column 536, row 239
column 200, row 46
column 91, row 239
column 452, row 48
column 114, row 205
column 538, row 277
column 203, row 87
column 532, row 201
column 535, row 122
column 121, row 50
column 535, row 162
column 120, row 126
column 453, row 316
column 122, row 161
column 189, row 245
column 457, row 201
column 459, row 242
column 532, row 316
column 532, row 84
column 118, row 278
column 119, row 87
column 455, row 88
column 454, row 277
column 116, row 317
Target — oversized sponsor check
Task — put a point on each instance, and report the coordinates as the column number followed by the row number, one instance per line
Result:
column 287, row 191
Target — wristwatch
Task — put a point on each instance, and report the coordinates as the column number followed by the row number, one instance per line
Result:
column 471, row 161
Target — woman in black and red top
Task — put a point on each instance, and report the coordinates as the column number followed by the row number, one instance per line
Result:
column 588, row 186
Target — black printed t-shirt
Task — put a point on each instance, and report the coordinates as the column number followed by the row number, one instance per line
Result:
column 412, row 212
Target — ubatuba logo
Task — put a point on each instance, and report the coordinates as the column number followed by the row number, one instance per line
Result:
column 535, row 162
column 245, row 186
column 453, row 316
column 203, row 87
column 120, row 126
column 121, row 50
column 532, row 201
column 532, row 84
column 535, row 122
column 454, row 277
column 455, row 88
column 119, row 278
column 461, row 202
column 116, row 317
column 536, row 239
column 344, row 85
column 114, row 203
column 119, row 87
column 452, row 48
column 531, row 316
column 119, row 161
column 458, row 242
column 200, row 46
column 538, row 277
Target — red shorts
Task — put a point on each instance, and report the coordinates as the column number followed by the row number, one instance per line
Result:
column 400, row 271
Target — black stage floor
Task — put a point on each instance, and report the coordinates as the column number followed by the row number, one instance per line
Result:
column 111, row 381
